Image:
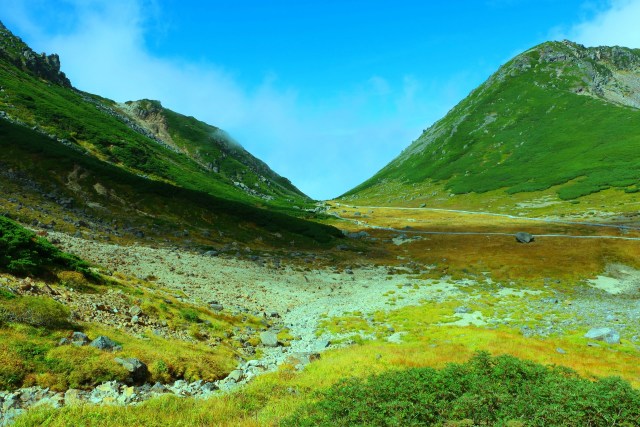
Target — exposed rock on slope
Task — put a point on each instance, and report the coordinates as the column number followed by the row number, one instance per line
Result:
column 41, row 65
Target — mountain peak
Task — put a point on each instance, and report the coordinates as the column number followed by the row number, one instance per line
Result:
column 605, row 72
column 559, row 107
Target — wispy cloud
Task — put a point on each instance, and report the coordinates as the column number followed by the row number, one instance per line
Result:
column 614, row 24
column 325, row 146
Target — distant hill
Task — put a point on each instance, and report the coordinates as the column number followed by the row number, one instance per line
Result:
column 68, row 157
column 559, row 122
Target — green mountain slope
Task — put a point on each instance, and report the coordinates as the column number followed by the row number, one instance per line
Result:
column 54, row 186
column 172, row 148
column 77, row 162
column 559, row 118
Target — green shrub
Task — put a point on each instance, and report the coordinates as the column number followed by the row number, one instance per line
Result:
column 34, row 311
column 12, row 370
column 485, row 391
column 190, row 315
column 23, row 253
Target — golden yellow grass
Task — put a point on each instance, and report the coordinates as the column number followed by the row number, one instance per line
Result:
column 561, row 258
column 275, row 396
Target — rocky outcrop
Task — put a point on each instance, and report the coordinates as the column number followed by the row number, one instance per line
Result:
column 41, row 65
column 137, row 369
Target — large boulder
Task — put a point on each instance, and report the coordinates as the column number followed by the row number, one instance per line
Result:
column 138, row 370
column 608, row 335
column 79, row 339
column 236, row 375
column 104, row 343
column 269, row 339
column 522, row 237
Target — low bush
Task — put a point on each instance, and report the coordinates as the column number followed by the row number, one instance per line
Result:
column 34, row 311
column 485, row 391
column 23, row 253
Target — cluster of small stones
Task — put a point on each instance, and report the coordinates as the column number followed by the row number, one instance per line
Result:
column 15, row 403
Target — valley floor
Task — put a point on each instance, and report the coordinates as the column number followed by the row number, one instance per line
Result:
column 324, row 305
column 396, row 298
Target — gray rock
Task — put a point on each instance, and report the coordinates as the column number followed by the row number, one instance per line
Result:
column 135, row 311
column 320, row 345
column 211, row 253
column 56, row 401
column 158, row 388
column 522, row 237
column 73, row 397
column 8, row 416
column 216, row 306
column 79, row 339
column 608, row 335
column 103, row 343
column 208, row 387
column 105, row 393
column 561, row 351
column 269, row 339
column 358, row 235
column 10, row 402
column 462, row 310
column 236, row 375
column 136, row 368
column 396, row 338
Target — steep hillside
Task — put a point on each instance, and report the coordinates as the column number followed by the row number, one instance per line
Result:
column 54, row 186
column 556, row 123
column 212, row 149
column 140, row 137
column 80, row 163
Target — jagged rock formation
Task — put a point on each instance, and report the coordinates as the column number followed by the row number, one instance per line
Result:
column 45, row 66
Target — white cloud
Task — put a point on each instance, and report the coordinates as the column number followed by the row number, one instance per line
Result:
column 325, row 146
column 616, row 24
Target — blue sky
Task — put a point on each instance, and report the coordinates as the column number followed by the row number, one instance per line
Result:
column 326, row 92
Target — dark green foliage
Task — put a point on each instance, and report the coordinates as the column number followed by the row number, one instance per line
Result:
column 486, row 391
column 190, row 315
column 23, row 253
